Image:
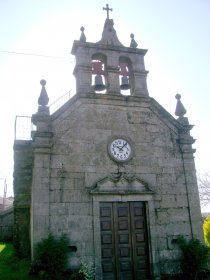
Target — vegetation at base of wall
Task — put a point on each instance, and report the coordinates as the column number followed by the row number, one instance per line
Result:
column 11, row 267
column 195, row 257
column 50, row 258
column 14, row 268
column 206, row 230
column 86, row 272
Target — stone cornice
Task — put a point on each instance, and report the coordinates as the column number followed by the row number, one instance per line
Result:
column 100, row 47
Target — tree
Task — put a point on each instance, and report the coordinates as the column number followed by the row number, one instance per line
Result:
column 204, row 188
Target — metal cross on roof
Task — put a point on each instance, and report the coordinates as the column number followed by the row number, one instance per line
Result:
column 107, row 10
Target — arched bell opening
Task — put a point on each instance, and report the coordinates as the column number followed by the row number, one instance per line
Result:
column 99, row 82
column 125, row 75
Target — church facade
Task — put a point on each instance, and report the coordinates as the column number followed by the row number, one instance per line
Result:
column 113, row 172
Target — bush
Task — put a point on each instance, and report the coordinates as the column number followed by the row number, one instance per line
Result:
column 86, row 272
column 195, row 257
column 206, row 229
column 50, row 258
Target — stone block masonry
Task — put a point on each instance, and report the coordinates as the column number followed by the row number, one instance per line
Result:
column 23, row 158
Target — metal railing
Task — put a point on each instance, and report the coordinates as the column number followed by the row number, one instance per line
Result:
column 60, row 101
column 23, row 128
column 23, row 124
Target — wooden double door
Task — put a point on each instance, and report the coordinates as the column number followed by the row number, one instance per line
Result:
column 124, row 242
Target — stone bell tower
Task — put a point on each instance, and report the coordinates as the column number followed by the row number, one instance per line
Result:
column 108, row 65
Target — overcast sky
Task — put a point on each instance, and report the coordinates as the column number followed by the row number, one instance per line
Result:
column 36, row 37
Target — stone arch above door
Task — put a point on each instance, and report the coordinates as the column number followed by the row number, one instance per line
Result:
column 121, row 184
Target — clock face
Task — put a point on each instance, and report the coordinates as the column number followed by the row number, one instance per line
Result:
column 120, row 150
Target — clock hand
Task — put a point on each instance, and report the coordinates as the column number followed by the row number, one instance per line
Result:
column 119, row 148
column 123, row 146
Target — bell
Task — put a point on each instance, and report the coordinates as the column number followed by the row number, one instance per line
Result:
column 124, row 83
column 99, row 86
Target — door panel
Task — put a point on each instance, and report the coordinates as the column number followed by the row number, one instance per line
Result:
column 107, row 241
column 124, row 241
column 140, row 242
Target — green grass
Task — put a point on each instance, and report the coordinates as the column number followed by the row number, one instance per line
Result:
column 11, row 267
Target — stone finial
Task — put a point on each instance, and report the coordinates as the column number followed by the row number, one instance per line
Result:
column 133, row 43
column 43, row 98
column 180, row 110
column 82, row 37
column 109, row 35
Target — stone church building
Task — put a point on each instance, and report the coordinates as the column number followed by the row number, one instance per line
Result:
column 111, row 168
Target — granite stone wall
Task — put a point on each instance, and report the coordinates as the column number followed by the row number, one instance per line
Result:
column 72, row 157
column 23, row 165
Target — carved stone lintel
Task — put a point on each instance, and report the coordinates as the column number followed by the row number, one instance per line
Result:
column 121, row 184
